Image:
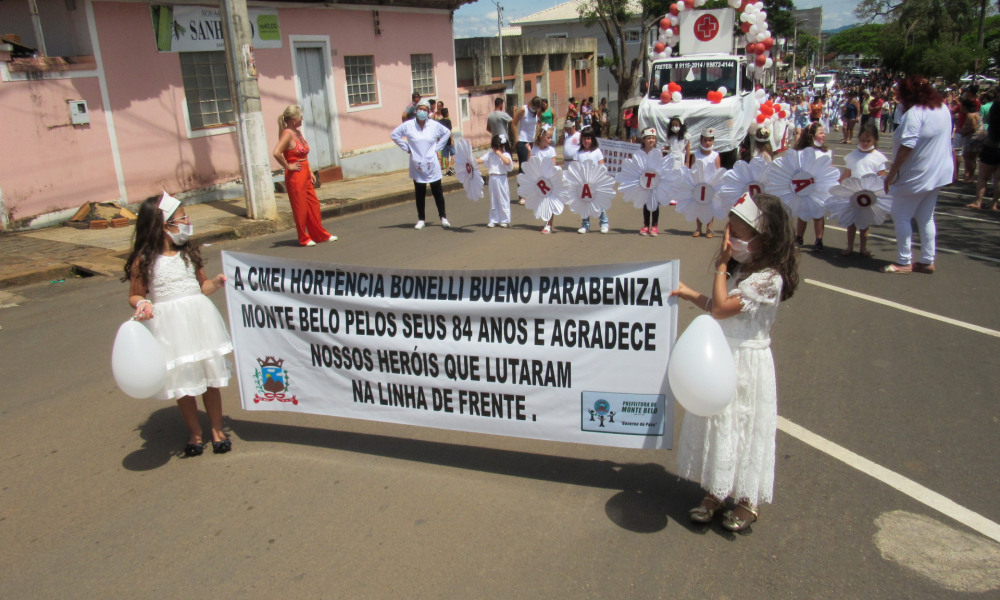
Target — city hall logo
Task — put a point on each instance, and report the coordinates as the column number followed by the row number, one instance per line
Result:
column 271, row 380
column 601, row 411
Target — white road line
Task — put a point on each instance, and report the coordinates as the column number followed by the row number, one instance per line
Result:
column 909, row 487
column 917, row 245
column 903, row 307
column 944, row 214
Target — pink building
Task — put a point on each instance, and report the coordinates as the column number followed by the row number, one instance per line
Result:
column 158, row 112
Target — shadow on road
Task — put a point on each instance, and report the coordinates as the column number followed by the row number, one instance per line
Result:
column 164, row 437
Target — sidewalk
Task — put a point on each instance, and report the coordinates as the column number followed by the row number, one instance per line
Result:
column 62, row 252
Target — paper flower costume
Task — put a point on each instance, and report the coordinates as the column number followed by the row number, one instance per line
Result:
column 744, row 178
column 467, row 170
column 643, row 179
column 697, row 195
column 589, row 188
column 802, row 179
column 860, row 202
column 543, row 187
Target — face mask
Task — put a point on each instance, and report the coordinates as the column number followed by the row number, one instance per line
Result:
column 864, row 148
column 707, row 148
column 676, row 129
column 182, row 236
column 741, row 249
column 422, row 115
column 817, row 143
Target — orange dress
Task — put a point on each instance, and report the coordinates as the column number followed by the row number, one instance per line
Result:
column 302, row 195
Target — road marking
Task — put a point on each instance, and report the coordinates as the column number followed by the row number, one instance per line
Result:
column 944, row 214
column 903, row 307
column 917, row 245
column 909, row 487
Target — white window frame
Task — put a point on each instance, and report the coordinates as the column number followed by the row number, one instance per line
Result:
column 464, row 113
column 433, row 76
column 378, row 88
column 630, row 33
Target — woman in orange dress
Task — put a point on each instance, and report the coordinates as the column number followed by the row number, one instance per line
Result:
column 291, row 153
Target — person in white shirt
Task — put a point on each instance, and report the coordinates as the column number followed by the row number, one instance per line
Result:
column 571, row 143
column 543, row 148
column 590, row 152
column 711, row 160
column 525, row 123
column 918, row 171
column 813, row 136
column 424, row 139
column 499, row 163
column 865, row 160
column 650, row 219
column 678, row 146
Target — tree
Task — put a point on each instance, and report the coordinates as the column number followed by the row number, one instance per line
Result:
column 805, row 47
column 613, row 17
column 864, row 39
column 779, row 18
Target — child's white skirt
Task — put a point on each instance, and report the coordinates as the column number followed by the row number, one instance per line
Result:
column 499, row 199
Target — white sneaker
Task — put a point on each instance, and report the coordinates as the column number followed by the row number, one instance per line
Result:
column 419, row 225
column 444, row 222
column 491, row 224
column 505, row 225
column 332, row 238
column 604, row 229
column 582, row 230
column 310, row 243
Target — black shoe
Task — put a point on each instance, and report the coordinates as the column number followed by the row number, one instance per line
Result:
column 799, row 241
column 819, row 245
column 222, row 447
column 194, row 450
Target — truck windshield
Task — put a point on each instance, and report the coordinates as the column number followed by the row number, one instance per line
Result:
column 696, row 77
column 824, row 78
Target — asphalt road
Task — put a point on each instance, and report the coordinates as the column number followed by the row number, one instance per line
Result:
column 96, row 503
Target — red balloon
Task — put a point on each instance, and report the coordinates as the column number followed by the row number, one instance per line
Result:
column 750, row 48
column 767, row 111
column 674, row 10
column 760, row 49
column 745, row 4
column 745, row 27
column 715, row 97
column 783, row 114
column 659, row 47
column 761, row 119
column 768, row 43
column 664, row 23
column 665, row 97
column 760, row 60
column 673, row 87
column 689, row 3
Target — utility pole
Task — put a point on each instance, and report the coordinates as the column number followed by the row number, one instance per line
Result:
column 255, row 160
column 500, row 37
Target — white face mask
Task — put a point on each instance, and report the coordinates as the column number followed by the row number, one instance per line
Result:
column 707, row 148
column 817, row 143
column 741, row 249
column 864, row 148
column 676, row 129
column 182, row 236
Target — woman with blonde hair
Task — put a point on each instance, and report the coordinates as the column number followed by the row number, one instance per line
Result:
column 291, row 152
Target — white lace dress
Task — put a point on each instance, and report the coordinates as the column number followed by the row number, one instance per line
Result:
column 190, row 330
column 732, row 453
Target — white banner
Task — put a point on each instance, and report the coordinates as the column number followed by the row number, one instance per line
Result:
column 186, row 28
column 575, row 354
column 616, row 152
column 707, row 31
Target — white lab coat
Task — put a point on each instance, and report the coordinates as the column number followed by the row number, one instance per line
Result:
column 423, row 146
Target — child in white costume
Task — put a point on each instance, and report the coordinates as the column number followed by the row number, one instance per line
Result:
column 543, row 148
column 865, row 160
column 190, row 330
column 732, row 453
column 499, row 163
column 707, row 156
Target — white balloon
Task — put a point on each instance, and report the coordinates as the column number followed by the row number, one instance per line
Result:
column 744, row 17
column 751, row 18
column 723, row 90
column 759, row 94
column 666, row 53
column 758, row 6
column 676, row 96
column 763, row 29
column 674, row 20
column 702, row 372
column 753, row 32
column 768, row 63
column 663, row 38
column 680, row 7
column 137, row 361
column 664, row 88
column 762, row 15
column 761, row 37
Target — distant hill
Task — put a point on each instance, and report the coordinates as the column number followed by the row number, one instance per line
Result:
column 839, row 29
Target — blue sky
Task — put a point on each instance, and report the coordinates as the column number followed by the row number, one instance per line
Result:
column 480, row 18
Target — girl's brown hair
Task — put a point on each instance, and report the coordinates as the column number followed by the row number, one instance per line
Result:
column 147, row 244
column 806, row 137
column 775, row 246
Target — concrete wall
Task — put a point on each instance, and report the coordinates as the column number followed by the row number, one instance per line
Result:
column 474, row 128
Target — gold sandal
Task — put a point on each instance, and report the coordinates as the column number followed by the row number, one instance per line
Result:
column 704, row 514
column 735, row 524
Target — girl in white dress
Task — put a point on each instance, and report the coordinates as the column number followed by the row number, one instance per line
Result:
column 812, row 137
column 190, row 330
column 732, row 453
column 711, row 160
column 543, row 148
column 865, row 160
column 677, row 144
column 499, row 163
column 650, row 219
column 589, row 151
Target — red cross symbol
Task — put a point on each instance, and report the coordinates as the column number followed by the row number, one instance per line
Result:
column 706, row 27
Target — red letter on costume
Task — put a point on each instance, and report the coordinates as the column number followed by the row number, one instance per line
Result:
column 649, row 179
column 586, row 192
column 801, row 184
column 864, row 200
column 468, row 168
column 754, row 189
column 545, row 189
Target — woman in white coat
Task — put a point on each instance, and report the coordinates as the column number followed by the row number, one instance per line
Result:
column 424, row 139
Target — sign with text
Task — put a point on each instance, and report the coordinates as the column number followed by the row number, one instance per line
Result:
column 185, row 28
column 616, row 152
column 574, row 354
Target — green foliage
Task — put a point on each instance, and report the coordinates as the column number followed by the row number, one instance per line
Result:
column 779, row 17
column 805, row 47
column 864, row 39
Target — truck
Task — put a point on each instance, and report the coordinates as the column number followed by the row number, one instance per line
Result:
column 698, row 74
column 823, row 83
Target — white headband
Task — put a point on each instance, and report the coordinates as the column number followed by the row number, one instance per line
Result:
column 746, row 209
column 169, row 205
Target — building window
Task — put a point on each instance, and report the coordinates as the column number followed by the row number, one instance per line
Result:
column 360, row 71
column 206, row 87
column 532, row 64
column 633, row 36
column 557, row 35
column 557, row 62
column 527, row 86
column 422, row 66
column 465, row 108
column 600, row 62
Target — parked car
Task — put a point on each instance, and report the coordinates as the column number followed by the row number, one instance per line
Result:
column 979, row 79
